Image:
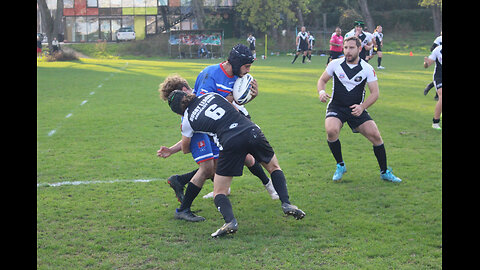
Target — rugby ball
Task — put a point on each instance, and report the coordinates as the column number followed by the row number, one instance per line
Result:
column 242, row 89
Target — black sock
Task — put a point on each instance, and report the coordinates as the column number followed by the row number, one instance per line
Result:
column 280, row 184
column 436, row 121
column 224, row 206
column 379, row 61
column 185, row 178
column 381, row 155
column 303, row 61
column 296, row 55
column 190, row 194
column 336, row 149
column 257, row 170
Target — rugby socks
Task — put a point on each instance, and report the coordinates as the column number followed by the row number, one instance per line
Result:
column 381, row 156
column 224, row 206
column 303, row 61
column 436, row 121
column 296, row 55
column 336, row 149
column 185, row 178
column 190, row 194
column 379, row 59
column 280, row 184
column 257, row 170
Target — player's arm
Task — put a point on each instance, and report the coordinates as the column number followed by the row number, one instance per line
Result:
column 427, row 62
column 357, row 109
column 185, row 143
column 321, row 84
column 165, row 152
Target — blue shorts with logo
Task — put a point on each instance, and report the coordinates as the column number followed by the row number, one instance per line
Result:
column 203, row 148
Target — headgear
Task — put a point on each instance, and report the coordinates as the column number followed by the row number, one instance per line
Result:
column 239, row 56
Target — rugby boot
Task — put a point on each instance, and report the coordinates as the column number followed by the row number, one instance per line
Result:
column 339, row 172
column 187, row 215
column 292, row 210
column 177, row 187
column 227, row 228
column 388, row 176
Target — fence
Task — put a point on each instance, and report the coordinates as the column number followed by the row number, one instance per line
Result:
column 187, row 43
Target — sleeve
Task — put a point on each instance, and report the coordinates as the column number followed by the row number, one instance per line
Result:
column 371, row 75
column 186, row 128
column 433, row 56
column 331, row 67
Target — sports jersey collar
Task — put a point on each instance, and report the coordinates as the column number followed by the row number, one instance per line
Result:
column 224, row 71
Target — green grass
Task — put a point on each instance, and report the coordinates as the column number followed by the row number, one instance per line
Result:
column 359, row 223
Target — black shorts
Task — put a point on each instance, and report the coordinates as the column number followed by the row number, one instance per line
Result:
column 345, row 115
column 232, row 158
column 335, row 55
column 302, row 47
column 437, row 78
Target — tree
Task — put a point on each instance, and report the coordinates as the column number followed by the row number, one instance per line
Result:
column 264, row 15
column 197, row 7
column 366, row 14
column 52, row 24
column 436, row 7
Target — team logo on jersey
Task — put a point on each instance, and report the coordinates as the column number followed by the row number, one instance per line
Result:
column 341, row 76
column 358, row 79
column 201, row 144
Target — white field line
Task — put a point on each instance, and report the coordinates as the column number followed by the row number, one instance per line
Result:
column 53, row 131
column 76, row 183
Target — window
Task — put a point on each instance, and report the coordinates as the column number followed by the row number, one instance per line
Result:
column 68, row 3
column 92, row 3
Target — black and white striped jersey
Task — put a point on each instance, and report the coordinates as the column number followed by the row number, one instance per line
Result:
column 349, row 81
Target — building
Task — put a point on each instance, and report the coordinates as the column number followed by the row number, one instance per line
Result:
column 93, row 20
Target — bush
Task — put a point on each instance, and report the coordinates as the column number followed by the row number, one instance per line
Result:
column 61, row 56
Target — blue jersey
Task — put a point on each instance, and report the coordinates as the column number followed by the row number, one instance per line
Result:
column 214, row 79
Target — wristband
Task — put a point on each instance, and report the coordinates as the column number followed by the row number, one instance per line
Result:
column 321, row 91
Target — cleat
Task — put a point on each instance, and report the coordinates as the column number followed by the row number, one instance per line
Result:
column 388, row 176
column 188, row 215
column 339, row 172
column 436, row 126
column 271, row 190
column 381, row 67
column 210, row 195
column 227, row 228
column 177, row 187
column 292, row 210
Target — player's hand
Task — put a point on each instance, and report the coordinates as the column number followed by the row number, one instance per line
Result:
column 254, row 90
column 164, row 152
column 324, row 97
column 357, row 109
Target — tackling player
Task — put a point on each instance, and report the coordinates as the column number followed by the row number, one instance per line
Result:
column 236, row 137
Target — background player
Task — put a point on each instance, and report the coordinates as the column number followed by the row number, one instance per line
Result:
column 436, row 57
column 301, row 42
column 251, row 43
column 347, row 104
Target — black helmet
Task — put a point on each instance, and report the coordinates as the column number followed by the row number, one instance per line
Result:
column 175, row 101
column 239, row 56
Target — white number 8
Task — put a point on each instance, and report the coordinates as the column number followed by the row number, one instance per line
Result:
column 214, row 112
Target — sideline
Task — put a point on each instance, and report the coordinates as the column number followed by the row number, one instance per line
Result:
column 76, row 183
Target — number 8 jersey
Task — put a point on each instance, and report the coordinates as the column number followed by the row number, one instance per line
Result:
column 214, row 115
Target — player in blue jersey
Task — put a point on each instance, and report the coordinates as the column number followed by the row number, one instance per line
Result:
column 219, row 79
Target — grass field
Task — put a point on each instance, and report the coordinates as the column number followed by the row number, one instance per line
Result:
column 102, row 120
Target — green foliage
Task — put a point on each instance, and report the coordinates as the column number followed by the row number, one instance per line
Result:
column 359, row 223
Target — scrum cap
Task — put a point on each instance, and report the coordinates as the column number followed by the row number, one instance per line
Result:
column 239, row 56
column 175, row 101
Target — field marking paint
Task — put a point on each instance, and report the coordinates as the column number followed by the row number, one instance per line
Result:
column 53, row 131
column 76, row 183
